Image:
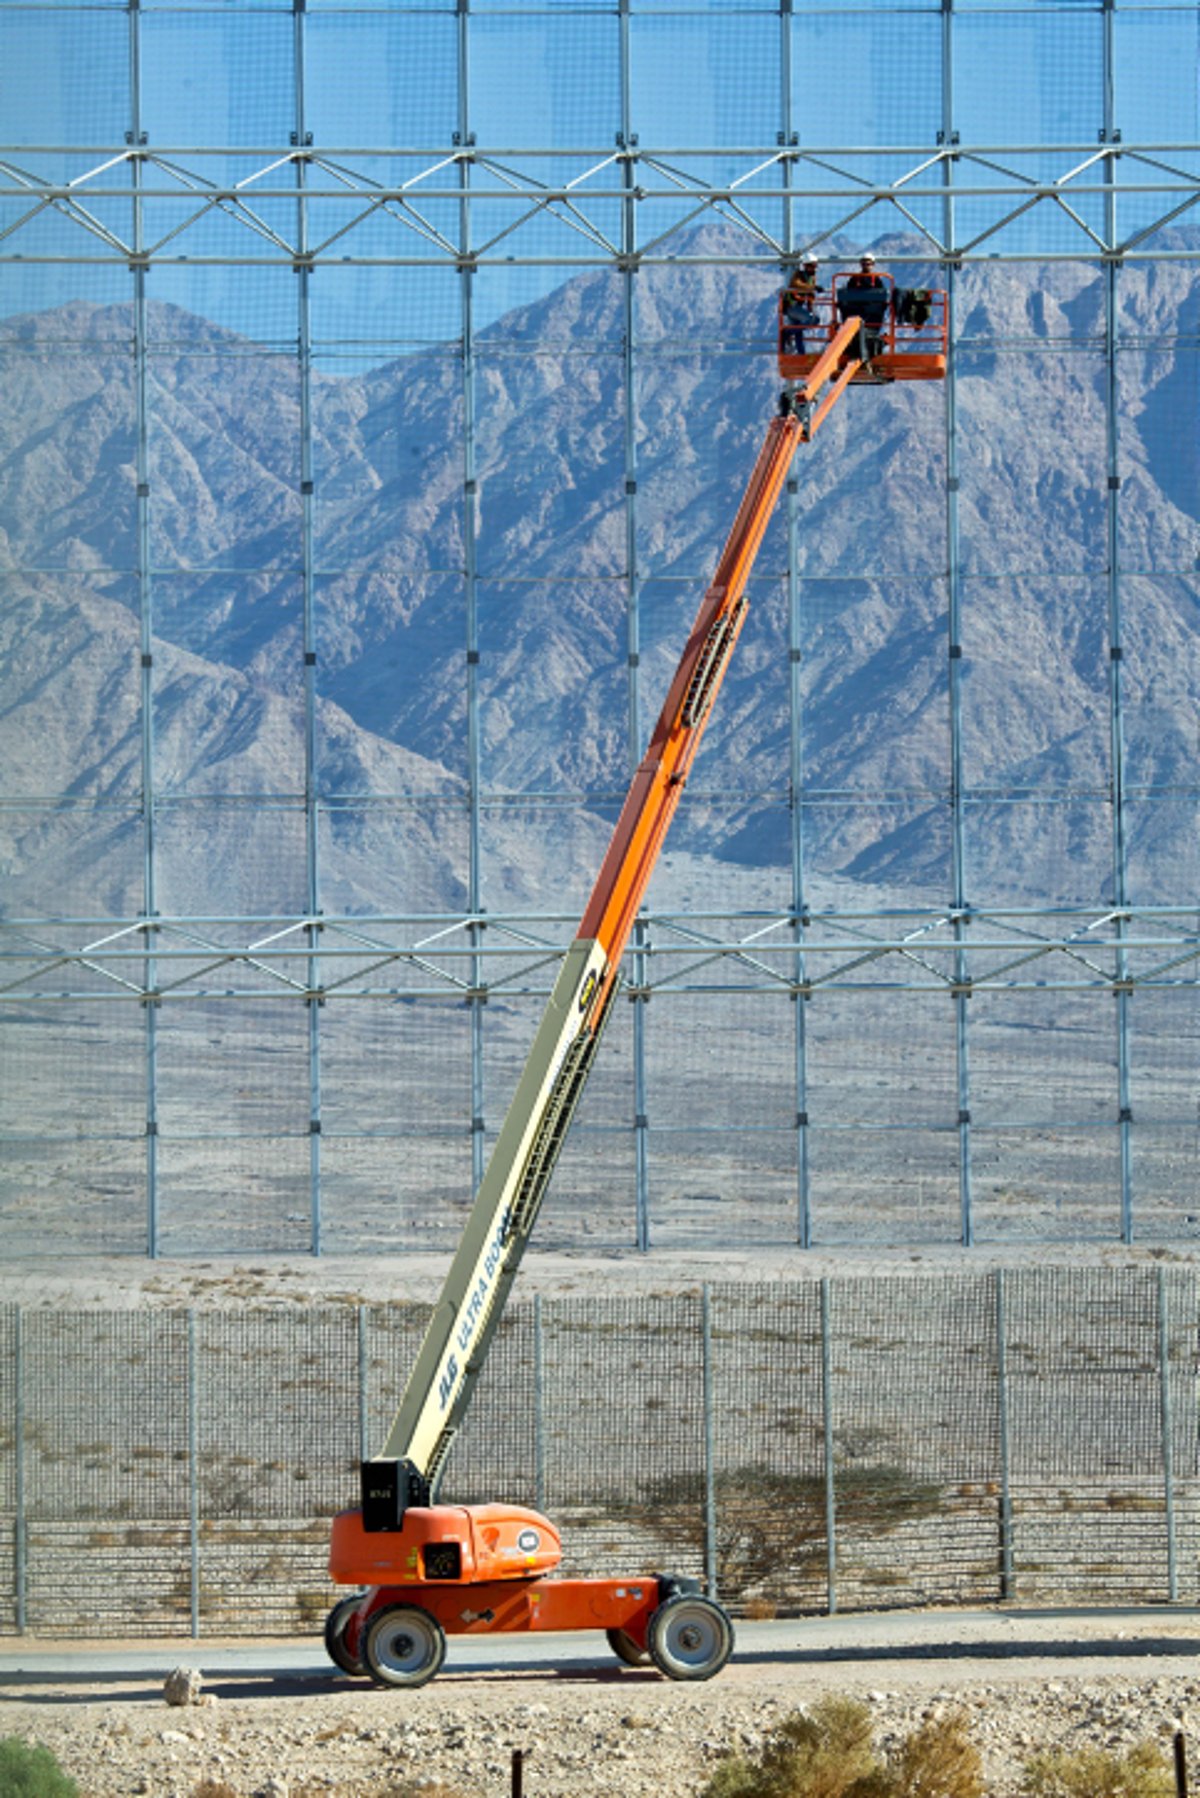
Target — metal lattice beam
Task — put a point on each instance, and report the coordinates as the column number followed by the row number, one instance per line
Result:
column 1165, row 178
column 179, row 959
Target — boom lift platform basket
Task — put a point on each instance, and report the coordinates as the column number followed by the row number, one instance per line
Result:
column 903, row 330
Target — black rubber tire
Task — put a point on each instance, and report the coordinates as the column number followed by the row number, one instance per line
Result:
column 335, row 1636
column 403, row 1646
column 690, row 1637
column 626, row 1649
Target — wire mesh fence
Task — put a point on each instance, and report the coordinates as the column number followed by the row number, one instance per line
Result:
column 847, row 1443
column 370, row 428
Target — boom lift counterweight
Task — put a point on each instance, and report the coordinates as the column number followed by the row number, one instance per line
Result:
column 432, row 1569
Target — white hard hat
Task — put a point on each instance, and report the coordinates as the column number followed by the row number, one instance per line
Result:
column 866, row 257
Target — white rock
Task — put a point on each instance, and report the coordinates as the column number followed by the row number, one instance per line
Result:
column 183, row 1685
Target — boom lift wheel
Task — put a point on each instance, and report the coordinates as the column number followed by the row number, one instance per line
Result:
column 626, row 1649
column 335, row 1636
column 403, row 1646
column 689, row 1637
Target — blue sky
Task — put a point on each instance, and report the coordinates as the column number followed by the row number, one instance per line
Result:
column 700, row 76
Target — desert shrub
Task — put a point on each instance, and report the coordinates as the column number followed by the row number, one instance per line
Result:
column 760, row 1610
column 1144, row 1772
column 415, row 1788
column 214, row 1788
column 815, row 1754
column 939, row 1760
column 827, row 1753
column 32, row 1772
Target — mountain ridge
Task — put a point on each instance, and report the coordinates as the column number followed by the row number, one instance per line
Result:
column 228, row 674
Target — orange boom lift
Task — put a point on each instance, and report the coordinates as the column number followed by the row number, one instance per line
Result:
column 430, row 1570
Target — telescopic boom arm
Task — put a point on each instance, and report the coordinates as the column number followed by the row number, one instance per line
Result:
column 518, row 1172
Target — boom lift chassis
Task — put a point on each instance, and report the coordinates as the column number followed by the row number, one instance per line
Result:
column 433, row 1569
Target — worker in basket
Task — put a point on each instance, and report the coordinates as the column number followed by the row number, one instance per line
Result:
column 869, row 302
column 914, row 307
column 799, row 311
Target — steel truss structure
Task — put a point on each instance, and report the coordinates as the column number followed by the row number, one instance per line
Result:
column 627, row 207
column 315, row 958
column 467, row 209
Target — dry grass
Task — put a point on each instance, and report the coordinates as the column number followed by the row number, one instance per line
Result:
column 827, row 1753
column 760, row 1610
column 1144, row 1772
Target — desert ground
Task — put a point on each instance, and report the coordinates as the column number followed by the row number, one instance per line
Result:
column 271, row 1722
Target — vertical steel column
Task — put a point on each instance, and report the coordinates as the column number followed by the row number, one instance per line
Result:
column 193, row 1462
column 1007, row 1584
column 800, row 996
column 139, row 267
column 1167, row 1425
column 960, row 910
column 641, row 1103
column 710, row 1447
column 539, row 1407
column 788, row 136
column 303, row 272
column 627, row 262
column 20, row 1519
column 1120, row 877
column 464, row 140
column 827, row 1436
column 364, row 1365
column 804, row 1223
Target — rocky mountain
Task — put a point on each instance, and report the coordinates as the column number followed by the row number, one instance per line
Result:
column 228, row 673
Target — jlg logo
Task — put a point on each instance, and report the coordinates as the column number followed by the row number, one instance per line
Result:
column 446, row 1384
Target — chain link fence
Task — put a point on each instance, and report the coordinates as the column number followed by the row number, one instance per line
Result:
column 845, row 1443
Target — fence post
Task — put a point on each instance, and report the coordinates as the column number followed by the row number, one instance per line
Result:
column 827, row 1417
column 20, row 1528
column 193, row 1474
column 1006, row 1542
column 539, row 1409
column 363, row 1450
column 710, row 1486
column 1167, row 1420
